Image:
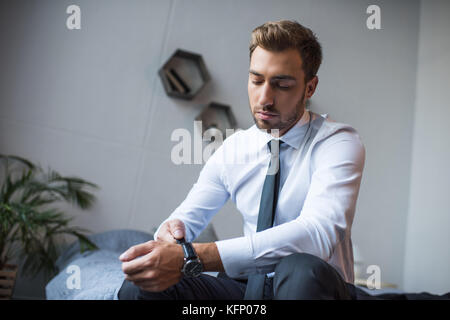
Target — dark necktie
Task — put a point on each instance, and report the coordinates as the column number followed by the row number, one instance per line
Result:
column 268, row 204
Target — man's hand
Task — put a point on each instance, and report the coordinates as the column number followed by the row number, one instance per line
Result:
column 171, row 231
column 153, row 265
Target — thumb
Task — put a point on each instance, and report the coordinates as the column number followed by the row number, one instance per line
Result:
column 137, row 251
column 177, row 229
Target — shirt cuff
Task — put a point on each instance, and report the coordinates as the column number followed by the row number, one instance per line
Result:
column 237, row 257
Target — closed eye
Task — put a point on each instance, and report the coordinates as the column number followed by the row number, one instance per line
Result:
column 257, row 82
column 283, row 84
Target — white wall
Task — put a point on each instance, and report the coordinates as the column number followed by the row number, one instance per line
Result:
column 427, row 255
column 89, row 102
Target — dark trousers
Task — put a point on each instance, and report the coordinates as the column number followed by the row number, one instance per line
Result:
column 300, row 276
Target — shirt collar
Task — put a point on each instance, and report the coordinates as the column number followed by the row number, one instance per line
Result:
column 293, row 137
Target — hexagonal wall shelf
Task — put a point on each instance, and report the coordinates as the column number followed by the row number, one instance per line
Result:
column 184, row 74
column 217, row 115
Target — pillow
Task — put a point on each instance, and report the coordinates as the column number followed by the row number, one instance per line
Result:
column 100, row 277
column 114, row 240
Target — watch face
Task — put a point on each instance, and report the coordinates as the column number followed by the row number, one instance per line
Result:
column 193, row 268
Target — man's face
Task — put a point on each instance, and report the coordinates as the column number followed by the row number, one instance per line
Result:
column 277, row 89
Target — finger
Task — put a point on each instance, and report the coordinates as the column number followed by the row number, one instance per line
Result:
column 141, row 276
column 177, row 228
column 135, row 266
column 165, row 235
column 137, row 250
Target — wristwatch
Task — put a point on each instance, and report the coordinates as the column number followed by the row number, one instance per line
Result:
column 192, row 266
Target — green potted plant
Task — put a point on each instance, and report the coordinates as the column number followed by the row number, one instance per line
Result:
column 32, row 229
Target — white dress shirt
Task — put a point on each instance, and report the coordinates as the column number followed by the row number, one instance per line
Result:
column 316, row 202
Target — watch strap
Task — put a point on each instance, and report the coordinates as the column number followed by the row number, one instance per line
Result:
column 189, row 252
column 188, row 249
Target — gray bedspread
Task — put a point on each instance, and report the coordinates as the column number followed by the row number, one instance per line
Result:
column 100, row 271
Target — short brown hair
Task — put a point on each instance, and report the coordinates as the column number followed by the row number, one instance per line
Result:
column 285, row 34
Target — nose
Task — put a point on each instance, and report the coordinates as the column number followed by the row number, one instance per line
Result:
column 267, row 97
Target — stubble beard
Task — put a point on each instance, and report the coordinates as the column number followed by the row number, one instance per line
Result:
column 282, row 125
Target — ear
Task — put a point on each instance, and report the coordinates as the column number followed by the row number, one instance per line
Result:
column 311, row 86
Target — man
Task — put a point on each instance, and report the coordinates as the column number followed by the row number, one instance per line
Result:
column 297, row 195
